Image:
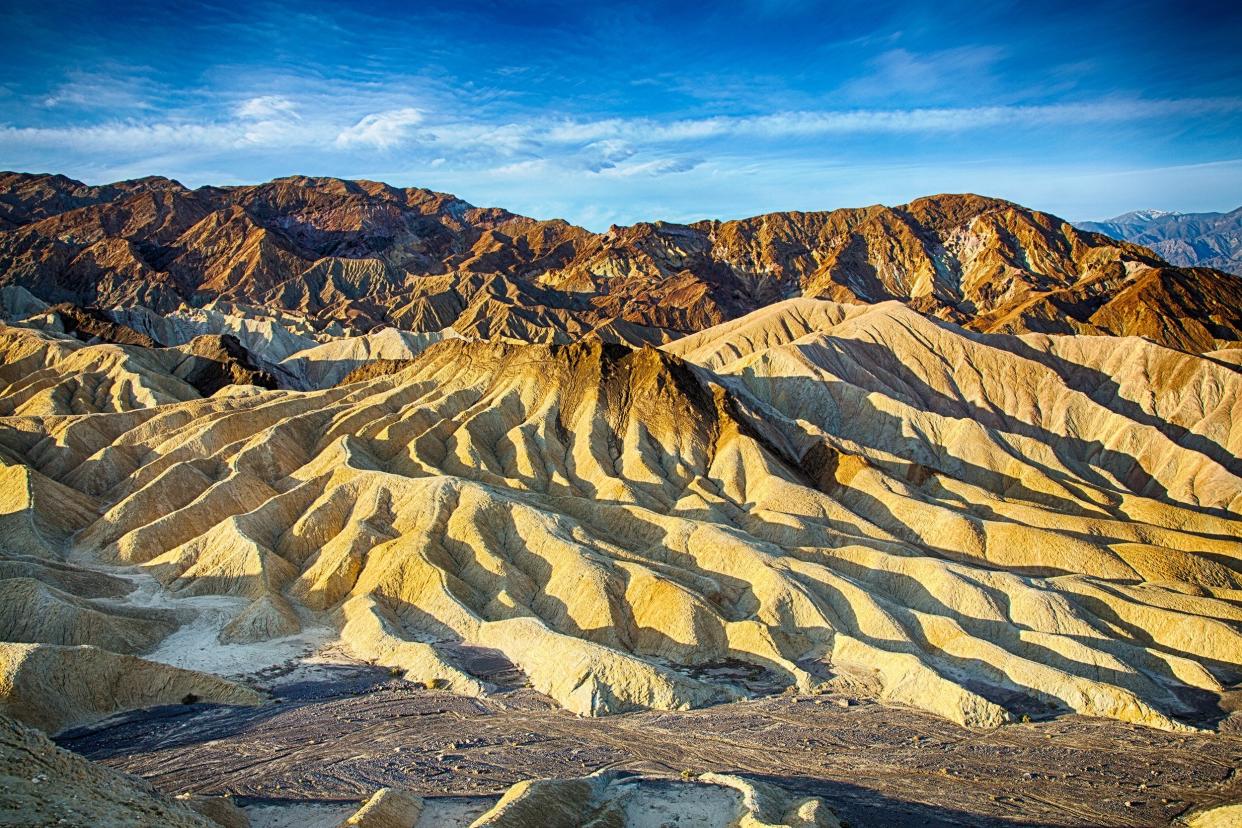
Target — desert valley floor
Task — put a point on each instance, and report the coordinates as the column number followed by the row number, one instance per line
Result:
column 927, row 515
column 339, row 732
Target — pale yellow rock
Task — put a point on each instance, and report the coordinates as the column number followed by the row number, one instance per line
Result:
column 219, row 809
column 612, row 800
column 34, row 612
column 54, row 687
column 1222, row 816
column 768, row 806
column 946, row 517
column 269, row 616
column 387, row 808
column 323, row 366
column 370, row 632
column 555, row 803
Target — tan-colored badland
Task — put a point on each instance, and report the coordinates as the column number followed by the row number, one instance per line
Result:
column 986, row 526
column 961, row 523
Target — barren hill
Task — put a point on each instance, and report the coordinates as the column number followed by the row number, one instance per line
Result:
column 366, row 253
column 982, row 526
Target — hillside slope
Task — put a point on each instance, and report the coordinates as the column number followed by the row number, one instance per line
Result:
column 364, row 254
column 980, row 525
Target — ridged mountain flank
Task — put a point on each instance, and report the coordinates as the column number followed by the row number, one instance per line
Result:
column 367, row 254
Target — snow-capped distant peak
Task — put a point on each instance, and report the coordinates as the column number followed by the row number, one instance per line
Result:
column 1145, row 215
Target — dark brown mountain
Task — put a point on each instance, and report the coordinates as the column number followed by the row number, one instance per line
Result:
column 370, row 254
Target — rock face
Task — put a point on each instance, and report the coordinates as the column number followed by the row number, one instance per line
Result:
column 1184, row 239
column 980, row 525
column 40, row 784
column 364, row 254
column 387, row 808
column 215, row 361
column 1222, row 816
column 955, row 455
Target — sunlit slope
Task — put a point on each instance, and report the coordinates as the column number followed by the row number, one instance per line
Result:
column 979, row 526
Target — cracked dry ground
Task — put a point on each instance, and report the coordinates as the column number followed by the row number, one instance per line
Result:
column 338, row 732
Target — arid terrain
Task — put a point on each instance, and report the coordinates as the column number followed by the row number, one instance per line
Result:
column 339, row 733
column 891, row 516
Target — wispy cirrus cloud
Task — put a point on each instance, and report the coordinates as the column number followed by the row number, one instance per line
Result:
column 108, row 88
column 596, row 145
column 265, row 107
column 381, row 130
column 936, row 75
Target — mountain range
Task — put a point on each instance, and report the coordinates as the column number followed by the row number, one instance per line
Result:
column 367, row 254
column 1184, row 239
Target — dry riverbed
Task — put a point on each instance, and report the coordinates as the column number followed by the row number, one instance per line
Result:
column 336, row 732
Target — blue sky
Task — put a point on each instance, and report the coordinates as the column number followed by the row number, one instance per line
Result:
column 617, row 113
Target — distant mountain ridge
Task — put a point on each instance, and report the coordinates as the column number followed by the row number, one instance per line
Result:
column 368, row 254
column 1184, row 239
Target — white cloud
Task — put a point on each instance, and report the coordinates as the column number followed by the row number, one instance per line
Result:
column 654, row 167
column 381, row 130
column 929, row 119
column 273, row 121
column 266, row 107
column 269, row 134
column 111, row 88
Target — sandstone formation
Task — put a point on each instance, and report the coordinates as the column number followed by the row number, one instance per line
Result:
column 980, row 525
column 955, row 455
column 388, row 808
column 324, row 365
column 1222, row 816
column 221, row 810
column 54, row 687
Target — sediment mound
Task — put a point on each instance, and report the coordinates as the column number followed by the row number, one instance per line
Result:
column 33, row 612
column 41, row 784
column 53, row 687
